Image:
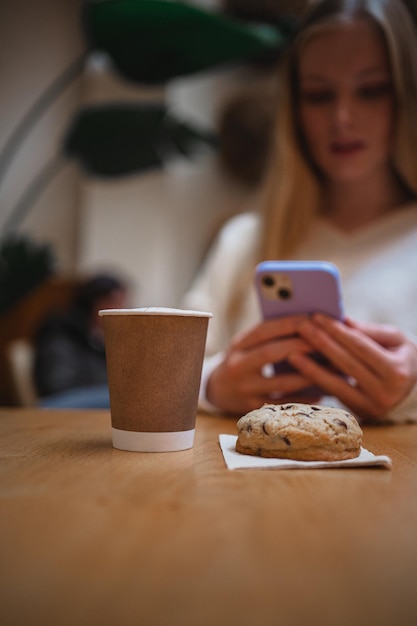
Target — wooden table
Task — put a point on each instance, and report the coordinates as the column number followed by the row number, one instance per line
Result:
column 91, row 536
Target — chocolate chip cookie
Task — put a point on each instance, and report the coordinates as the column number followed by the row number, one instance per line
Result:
column 303, row 432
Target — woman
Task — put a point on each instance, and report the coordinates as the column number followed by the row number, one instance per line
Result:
column 342, row 187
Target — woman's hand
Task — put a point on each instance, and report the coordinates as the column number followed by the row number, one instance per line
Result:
column 239, row 385
column 378, row 361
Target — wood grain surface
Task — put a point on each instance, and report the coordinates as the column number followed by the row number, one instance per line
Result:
column 92, row 535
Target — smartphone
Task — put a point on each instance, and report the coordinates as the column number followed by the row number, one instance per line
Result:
column 293, row 287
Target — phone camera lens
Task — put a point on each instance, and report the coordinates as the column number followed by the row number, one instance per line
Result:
column 268, row 281
column 284, row 294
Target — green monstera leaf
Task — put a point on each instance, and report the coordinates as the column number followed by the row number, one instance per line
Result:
column 153, row 41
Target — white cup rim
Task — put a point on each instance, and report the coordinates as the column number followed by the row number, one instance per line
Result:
column 154, row 310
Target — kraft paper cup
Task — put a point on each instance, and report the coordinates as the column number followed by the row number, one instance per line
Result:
column 154, row 360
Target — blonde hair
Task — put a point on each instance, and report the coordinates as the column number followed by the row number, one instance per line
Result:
column 292, row 191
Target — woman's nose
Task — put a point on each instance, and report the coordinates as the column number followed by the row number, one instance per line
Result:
column 343, row 113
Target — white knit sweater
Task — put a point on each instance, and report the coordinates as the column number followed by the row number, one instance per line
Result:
column 378, row 267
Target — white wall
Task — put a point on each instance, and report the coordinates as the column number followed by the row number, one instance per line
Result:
column 37, row 40
column 156, row 228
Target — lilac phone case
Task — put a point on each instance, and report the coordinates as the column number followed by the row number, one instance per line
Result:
column 292, row 287
column 289, row 287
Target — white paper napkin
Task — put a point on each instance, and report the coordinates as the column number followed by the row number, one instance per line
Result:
column 235, row 460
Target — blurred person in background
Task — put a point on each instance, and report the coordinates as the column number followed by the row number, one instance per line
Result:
column 70, row 361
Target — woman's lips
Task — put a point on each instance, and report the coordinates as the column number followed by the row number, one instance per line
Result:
column 346, row 147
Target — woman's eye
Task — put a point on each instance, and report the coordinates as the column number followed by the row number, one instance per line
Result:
column 317, row 97
column 373, row 92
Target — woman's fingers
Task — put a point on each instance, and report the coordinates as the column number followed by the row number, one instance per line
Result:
column 239, row 383
column 267, row 331
column 274, row 352
column 247, row 367
column 349, row 349
column 335, row 385
column 237, row 388
column 384, row 334
column 380, row 367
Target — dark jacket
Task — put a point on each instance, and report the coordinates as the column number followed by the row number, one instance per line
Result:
column 67, row 355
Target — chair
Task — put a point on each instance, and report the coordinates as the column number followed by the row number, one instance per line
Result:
column 20, row 358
